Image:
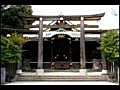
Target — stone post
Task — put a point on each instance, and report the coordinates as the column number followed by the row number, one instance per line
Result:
column 19, row 66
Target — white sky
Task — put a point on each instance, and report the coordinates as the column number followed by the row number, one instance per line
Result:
column 109, row 21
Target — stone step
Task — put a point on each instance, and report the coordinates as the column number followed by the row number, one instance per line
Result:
column 67, row 70
column 61, row 78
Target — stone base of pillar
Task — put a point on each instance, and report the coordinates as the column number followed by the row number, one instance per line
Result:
column 104, row 71
column 39, row 71
column 19, row 71
column 83, row 72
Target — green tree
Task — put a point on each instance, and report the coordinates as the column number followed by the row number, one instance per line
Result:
column 11, row 53
column 11, row 49
column 109, row 45
column 110, row 49
column 11, row 16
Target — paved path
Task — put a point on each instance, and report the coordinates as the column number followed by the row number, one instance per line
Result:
column 62, row 83
column 64, row 73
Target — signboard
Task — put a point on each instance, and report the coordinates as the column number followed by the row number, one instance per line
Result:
column 70, row 33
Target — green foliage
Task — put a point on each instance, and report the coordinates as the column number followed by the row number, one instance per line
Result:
column 17, row 39
column 11, row 49
column 109, row 45
column 11, row 18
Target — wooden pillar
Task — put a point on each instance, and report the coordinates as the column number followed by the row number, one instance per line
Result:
column 103, row 62
column 82, row 45
column 19, row 66
column 103, row 59
column 104, row 67
column 52, row 63
column 51, row 50
column 70, row 53
column 40, row 45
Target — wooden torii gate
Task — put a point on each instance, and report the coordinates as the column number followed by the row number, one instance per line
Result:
column 80, row 18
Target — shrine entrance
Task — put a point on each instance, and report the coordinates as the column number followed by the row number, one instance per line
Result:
column 61, row 45
column 61, row 51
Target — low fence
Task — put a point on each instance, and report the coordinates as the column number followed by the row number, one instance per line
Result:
column 74, row 67
column 113, row 72
column 8, row 72
column 32, row 66
column 11, row 71
column 3, row 75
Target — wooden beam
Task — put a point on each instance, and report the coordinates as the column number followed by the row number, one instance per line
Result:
column 68, row 17
column 92, row 18
column 62, row 26
column 27, row 31
column 78, row 18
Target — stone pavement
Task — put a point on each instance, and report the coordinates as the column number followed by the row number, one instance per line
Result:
column 64, row 73
column 62, row 83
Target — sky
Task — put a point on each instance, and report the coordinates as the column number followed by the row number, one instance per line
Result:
column 109, row 21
